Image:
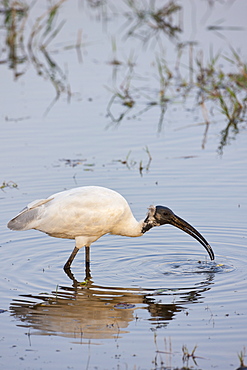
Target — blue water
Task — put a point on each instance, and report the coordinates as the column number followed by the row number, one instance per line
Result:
column 146, row 297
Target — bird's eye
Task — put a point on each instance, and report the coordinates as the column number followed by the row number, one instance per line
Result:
column 167, row 214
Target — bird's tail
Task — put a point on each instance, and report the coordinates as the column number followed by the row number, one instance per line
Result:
column 23, row 220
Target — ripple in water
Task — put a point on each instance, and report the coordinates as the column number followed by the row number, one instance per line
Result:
column 162, row 283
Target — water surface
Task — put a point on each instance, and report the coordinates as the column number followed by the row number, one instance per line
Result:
column 146, row 297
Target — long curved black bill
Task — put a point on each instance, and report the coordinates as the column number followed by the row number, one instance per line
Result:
column 187, row 228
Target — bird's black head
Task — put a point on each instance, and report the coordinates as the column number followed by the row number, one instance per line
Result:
column 164, row 215
column 160, row 215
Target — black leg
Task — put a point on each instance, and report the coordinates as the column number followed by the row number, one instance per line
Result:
column 87, row 262
column 71, row 258
column 87, row 254
column 71, row 276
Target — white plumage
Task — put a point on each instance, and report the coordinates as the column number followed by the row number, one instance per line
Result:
column 87, row 213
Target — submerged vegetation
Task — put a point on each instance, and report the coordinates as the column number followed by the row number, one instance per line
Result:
column 219, row 82
column 132, row 163
column 241, row 357
column 9, row 184
column 143, row 165
column 164, row 356
column 208, row 81
column 227, row 90
column 25, row 47
column 146, row 22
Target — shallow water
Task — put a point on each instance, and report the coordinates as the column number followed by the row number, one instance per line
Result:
column 145, row 297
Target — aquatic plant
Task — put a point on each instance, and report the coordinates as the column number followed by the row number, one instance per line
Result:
column 9, row 184
column 223, row 87
column 227, row 90
column 241, row 356
column 146, row 21
column 25, row 48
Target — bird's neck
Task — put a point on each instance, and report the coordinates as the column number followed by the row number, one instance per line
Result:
column 132, row 228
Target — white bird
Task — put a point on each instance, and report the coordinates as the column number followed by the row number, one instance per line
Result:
column 87, row 213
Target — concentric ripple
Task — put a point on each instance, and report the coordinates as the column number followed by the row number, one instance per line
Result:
column 163, row 282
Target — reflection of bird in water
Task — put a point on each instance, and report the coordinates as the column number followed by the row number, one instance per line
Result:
column 87, row 213
column 89, row 311
column 85, row 313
